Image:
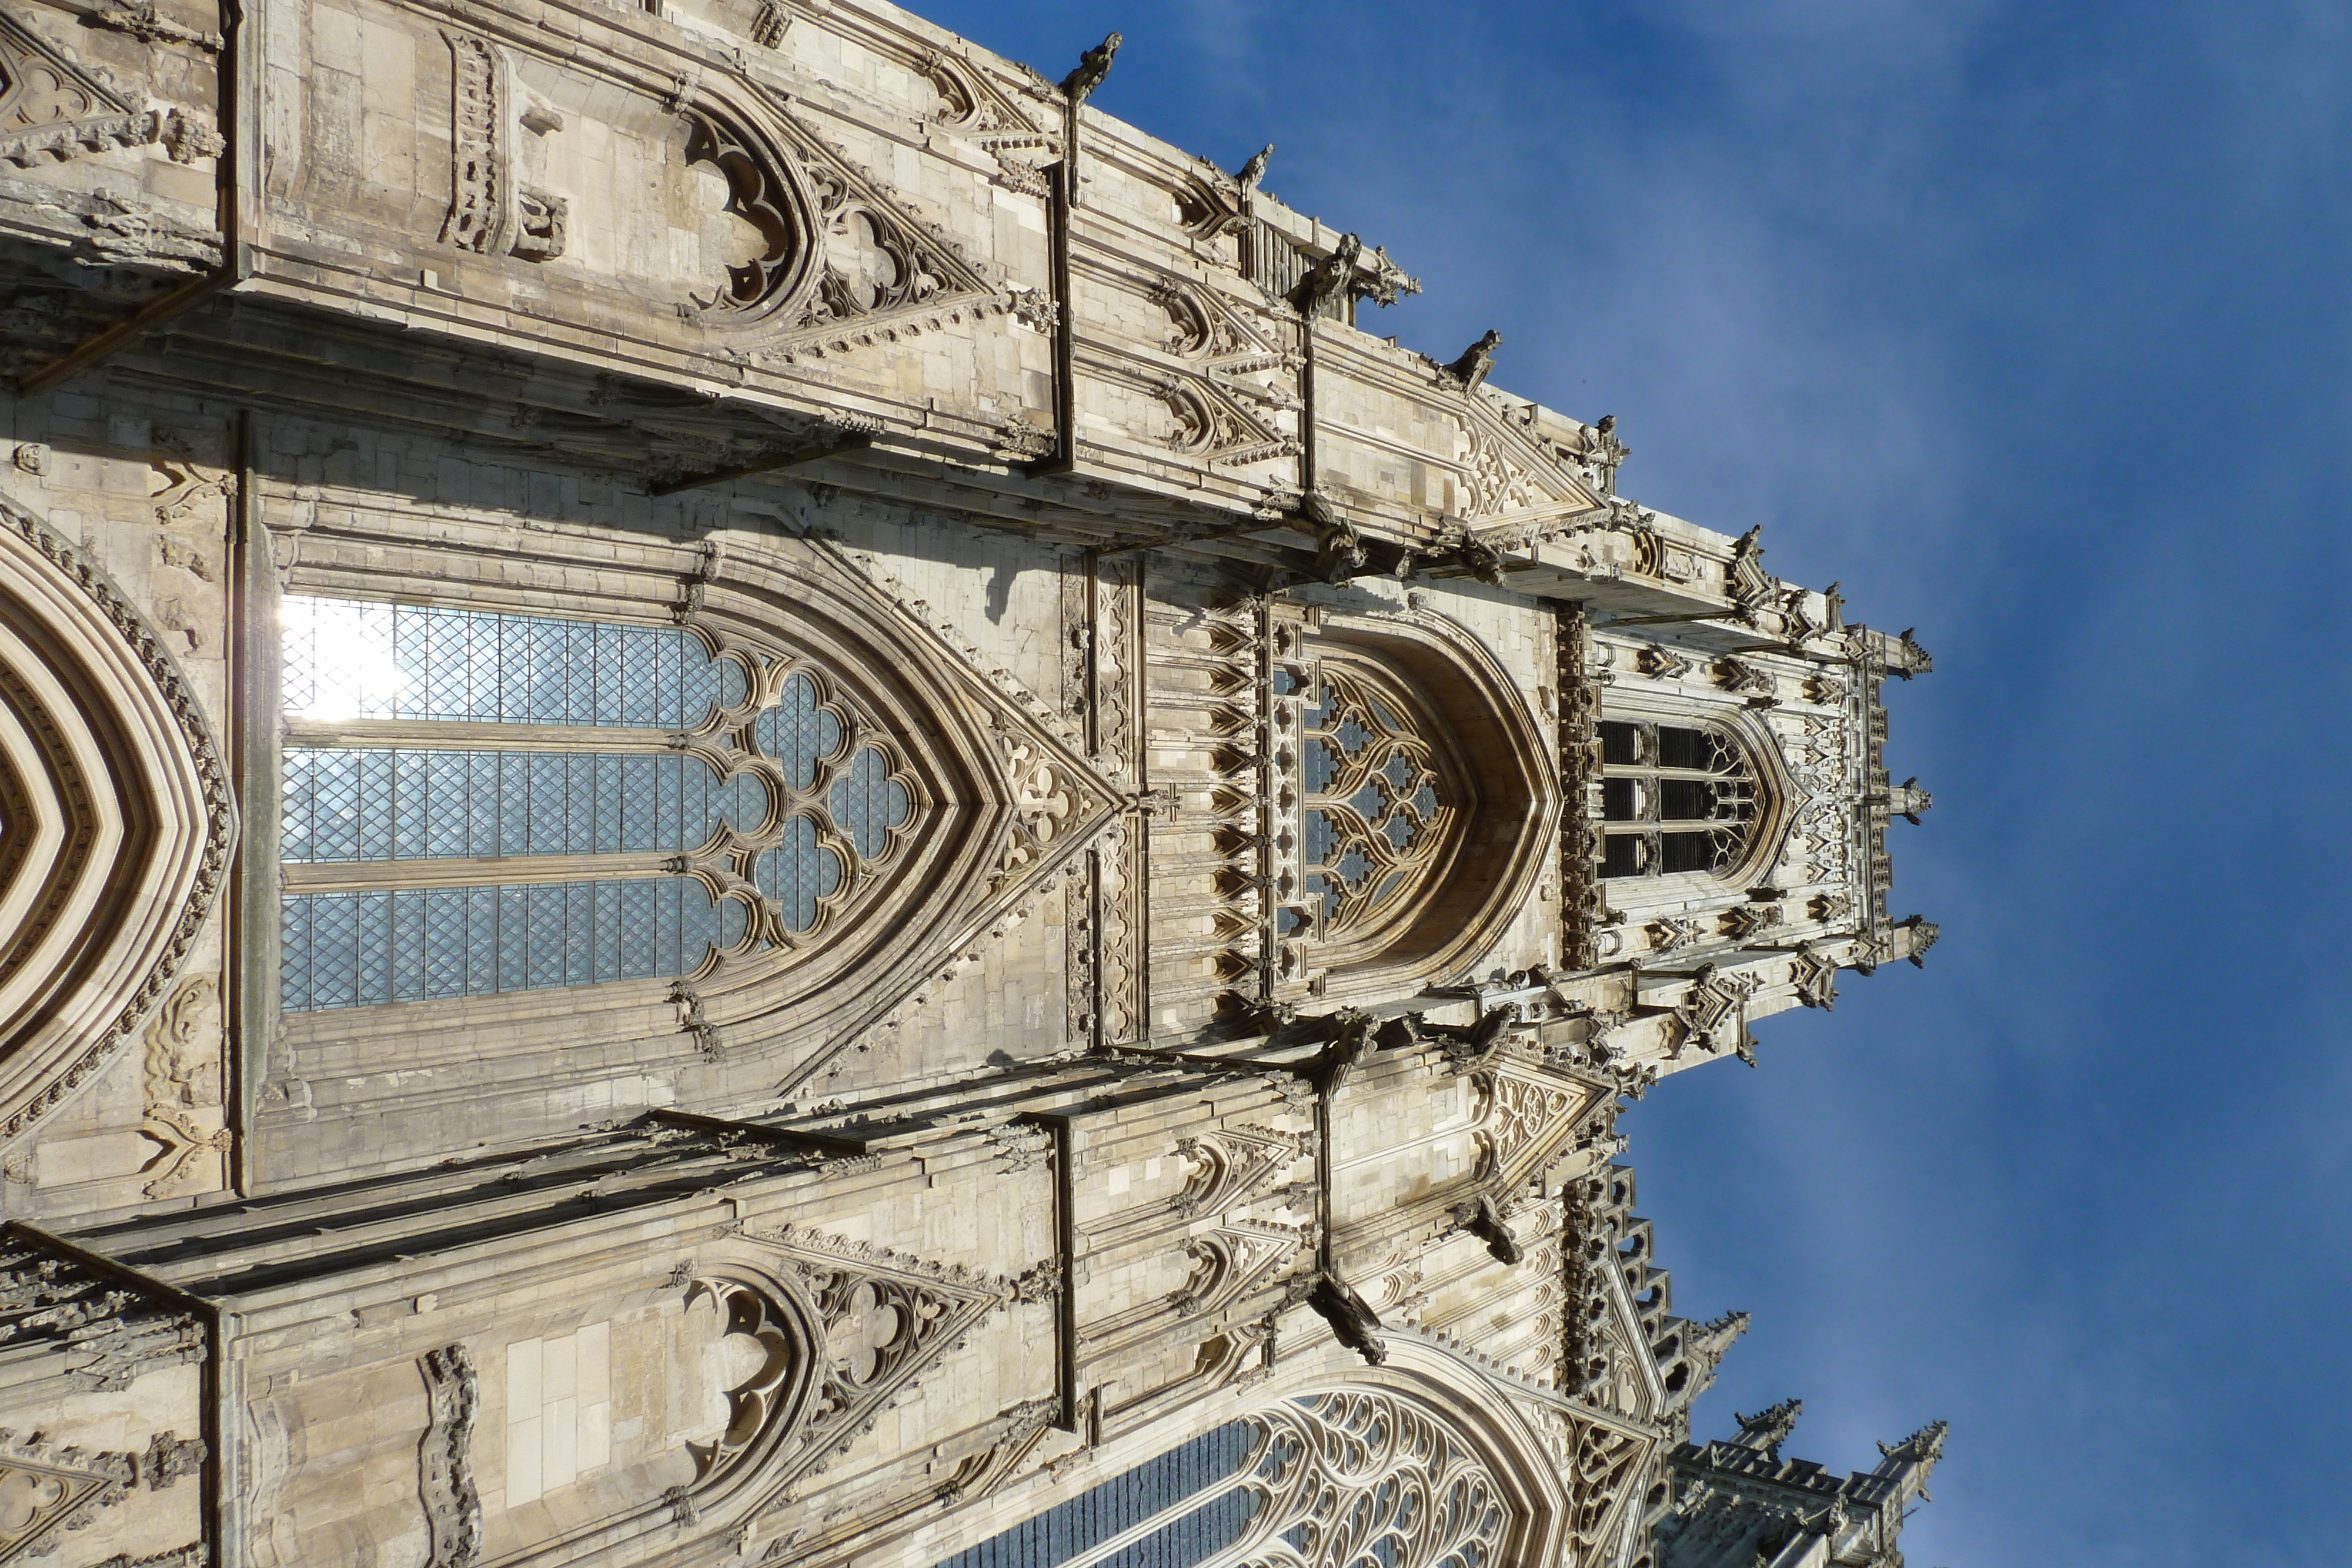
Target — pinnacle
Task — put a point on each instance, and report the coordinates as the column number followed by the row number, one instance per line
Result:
column 1768, row 1430
column 1924, row 1447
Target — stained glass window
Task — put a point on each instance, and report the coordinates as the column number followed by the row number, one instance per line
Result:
column 805, row 803
column 1375, row 809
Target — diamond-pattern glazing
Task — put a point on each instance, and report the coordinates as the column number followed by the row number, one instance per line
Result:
column 1373, row 798
column 797, row 732
column 361, row 950
column 353, row 805
column 868, row 802
column 346, row 659
column 797, row 874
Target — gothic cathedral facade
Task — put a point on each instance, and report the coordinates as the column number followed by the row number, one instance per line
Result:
column 764, row 799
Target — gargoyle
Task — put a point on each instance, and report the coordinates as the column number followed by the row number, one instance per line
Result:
column 1331, row 279
column 1469, row 1046
column 1356, row 1324
column 1485, row 1221
column 1348, row 1047
column 1476, row 359
column 1093, row 66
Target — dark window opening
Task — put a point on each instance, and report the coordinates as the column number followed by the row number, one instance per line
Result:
column 1685, row 748
column 1686, row 851
column 1683, row 799
column 1623, row 857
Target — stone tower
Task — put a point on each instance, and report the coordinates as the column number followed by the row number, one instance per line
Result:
column 763, row 801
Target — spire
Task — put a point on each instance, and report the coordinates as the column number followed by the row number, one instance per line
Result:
column 1708, row 1344
column 1768, row 1430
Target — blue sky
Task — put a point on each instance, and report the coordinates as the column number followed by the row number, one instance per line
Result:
column 2027, row 322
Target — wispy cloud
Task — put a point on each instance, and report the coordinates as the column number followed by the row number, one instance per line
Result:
column 2029, row 323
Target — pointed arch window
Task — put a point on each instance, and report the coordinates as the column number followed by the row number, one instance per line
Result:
column 473, row 803
column 1675, row 799
column 1348, row 1477
column 1377, row 806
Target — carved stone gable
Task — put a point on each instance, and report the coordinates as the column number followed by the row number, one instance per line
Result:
column 1518, row 490
column 849, row 263
column 46, row 1492
column 1529, row 1119
column 1231, row 1165
column 1042, row 798
column 886, row 1318
column 51, row 109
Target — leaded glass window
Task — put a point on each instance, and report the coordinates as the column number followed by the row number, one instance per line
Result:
column 1376, row 808
column 474, row 802
column 1347, row 1478
column 354, row 659
column 1673, row 798
column 1173, row 1512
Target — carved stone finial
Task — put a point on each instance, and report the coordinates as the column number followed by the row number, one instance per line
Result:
column 1712, row 1341
column 1922, row 932
column 1253, row 171
column 1922, row 1449
column 1093, row 66
column 1906, row 658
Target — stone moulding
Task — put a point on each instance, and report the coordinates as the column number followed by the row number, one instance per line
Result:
column 127, row 818
column 445, row 1457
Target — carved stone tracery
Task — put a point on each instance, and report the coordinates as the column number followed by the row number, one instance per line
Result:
column 839, row 1330
column 52, row 111
column 1358, row 1477
column 46, row 1490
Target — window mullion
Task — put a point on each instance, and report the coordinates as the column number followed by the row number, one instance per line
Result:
column 348, row 876
column 458, row 734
